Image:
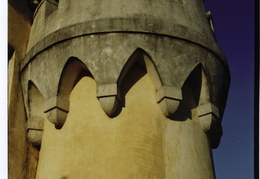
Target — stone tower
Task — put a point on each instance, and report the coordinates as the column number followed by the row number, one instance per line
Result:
column 122, row 89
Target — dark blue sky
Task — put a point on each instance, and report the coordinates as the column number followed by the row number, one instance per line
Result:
column 234, row 27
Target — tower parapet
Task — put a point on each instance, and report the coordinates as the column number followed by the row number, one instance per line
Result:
column 171, row 41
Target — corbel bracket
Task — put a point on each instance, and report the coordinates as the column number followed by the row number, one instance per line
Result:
column 169, row 98
column 208, row 116
column 56, row 110
column 109, row 98
column 35, row 130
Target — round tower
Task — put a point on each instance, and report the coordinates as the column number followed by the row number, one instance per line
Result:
column 120, row 89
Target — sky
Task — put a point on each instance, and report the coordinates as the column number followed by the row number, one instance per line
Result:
column 234, row 28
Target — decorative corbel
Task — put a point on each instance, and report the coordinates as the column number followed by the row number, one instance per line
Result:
column 208, row 116
column 109, row 98
column 35, row 130
column 168, row 98
column 56, row 110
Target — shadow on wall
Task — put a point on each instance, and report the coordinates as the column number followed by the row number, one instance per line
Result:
column 191, row 94
column 133, row 75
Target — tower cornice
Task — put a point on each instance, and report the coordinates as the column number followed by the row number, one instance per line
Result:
column 131, row 26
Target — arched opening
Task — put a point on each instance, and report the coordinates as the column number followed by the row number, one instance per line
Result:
column 191, row 91
column 135, row 68
column 72, row 72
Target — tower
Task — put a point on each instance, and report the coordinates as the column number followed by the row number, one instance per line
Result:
column 119, row 89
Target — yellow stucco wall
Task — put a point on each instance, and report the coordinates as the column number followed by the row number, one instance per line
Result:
column 139, row 143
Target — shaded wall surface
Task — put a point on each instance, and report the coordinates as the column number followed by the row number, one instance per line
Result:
column 18, row 36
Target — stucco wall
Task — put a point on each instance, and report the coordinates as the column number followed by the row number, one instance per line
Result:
column 139, row 143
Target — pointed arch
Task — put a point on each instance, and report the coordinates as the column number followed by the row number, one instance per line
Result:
column 137, row 65
column 191, row 91
column 72, row 72
column 168, row 97
column 196, row 97
column 35, row 122
column 58, row 106
column 141, row 60
column 112, row 96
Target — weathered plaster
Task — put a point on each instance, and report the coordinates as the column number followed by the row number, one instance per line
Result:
column 134, row 89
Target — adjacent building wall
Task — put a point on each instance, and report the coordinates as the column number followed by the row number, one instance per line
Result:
column 18, row 36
